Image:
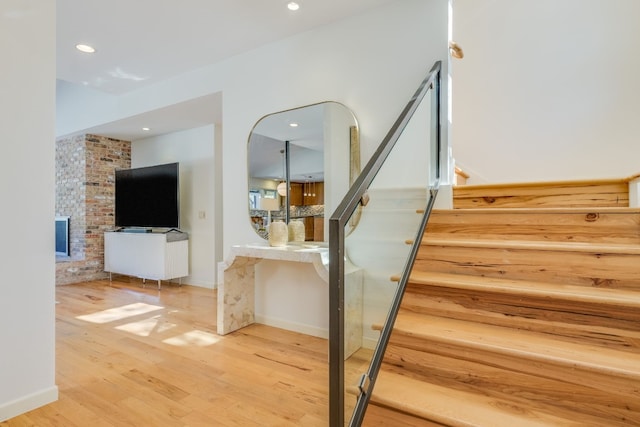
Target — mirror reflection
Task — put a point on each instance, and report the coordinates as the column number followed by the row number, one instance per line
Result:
column 301, row 163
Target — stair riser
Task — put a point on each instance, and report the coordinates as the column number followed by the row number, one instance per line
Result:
column 600, row 324
column 594, row 227
column 604, row 381
column 619, row 271
column 528, row 391
column 563, row 195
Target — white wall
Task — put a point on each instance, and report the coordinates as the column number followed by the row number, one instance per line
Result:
column 412, row 144
column 291, row 295
column 194, row 150
column 27, row 188
column 547, row 90
column 388, row 54
column 337, row 158
column 372, row 63
column 69, row 101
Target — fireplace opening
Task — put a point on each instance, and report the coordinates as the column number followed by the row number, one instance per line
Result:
column 62, row 236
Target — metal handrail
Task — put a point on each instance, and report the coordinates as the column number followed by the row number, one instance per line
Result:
column 355, row 196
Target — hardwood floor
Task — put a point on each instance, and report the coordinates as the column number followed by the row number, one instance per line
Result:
column 134, row 356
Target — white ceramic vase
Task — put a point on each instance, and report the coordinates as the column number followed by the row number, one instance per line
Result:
column 296, row 231
column 278, row 234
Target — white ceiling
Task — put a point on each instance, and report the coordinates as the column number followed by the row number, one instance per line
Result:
column 142, row 42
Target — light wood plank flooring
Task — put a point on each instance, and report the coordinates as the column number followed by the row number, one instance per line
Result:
column 134, row 356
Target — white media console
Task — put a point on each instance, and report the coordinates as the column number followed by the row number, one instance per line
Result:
column 155, row 256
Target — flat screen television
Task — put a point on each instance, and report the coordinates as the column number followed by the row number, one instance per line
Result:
column 148, row 197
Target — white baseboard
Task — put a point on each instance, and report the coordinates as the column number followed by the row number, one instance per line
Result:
column 28, row 403
column 292, row 326
column 195, row 282
column 368, row 343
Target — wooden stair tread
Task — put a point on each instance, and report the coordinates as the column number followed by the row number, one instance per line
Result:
column 453, row 407
column 610, row 248
column 524, row 288
column 531, row 346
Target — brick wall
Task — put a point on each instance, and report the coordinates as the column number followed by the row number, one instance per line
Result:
column 70, row 166
column 85, row 180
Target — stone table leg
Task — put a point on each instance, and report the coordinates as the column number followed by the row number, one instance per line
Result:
column 236, row 294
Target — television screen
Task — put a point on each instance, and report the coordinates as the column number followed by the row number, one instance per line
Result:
column 148, row 197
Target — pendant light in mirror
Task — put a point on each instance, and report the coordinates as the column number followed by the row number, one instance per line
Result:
column 282, row 189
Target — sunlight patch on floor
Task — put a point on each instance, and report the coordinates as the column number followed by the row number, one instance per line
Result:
column 193, row 338
column 119, row 313
column 145, row 327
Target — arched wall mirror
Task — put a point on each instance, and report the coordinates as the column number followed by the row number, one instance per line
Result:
column 301, row 163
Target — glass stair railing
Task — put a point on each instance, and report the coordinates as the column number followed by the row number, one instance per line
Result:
column 374, row 236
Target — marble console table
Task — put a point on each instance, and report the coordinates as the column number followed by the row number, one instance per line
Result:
column 236, row 286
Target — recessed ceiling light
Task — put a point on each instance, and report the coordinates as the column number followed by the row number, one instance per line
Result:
column 293, row 125
column 85, row 48
column 146, row 129
column 293, row 5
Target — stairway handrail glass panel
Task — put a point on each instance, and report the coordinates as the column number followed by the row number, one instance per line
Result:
column 416, row 131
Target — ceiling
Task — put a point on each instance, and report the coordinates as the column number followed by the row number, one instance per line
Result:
column 143, row 42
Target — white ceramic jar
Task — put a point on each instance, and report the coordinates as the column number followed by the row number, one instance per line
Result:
column 296, row 231
column 278, row 234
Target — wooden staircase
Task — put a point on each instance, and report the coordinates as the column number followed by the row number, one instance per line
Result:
column 521, row 310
